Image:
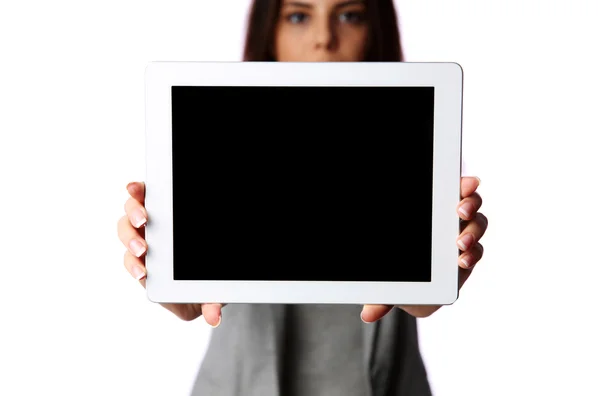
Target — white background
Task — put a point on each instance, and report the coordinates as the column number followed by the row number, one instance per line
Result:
column 73, row 322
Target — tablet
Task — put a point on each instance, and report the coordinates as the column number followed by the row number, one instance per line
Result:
column 292, row 183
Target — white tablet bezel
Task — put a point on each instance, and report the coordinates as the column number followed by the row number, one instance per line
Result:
column 447, row 80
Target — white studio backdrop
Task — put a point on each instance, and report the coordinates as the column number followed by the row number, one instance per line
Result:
column 73, row 322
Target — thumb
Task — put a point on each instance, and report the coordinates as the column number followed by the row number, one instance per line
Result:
column 372, row 313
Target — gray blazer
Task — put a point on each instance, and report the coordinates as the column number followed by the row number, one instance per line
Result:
column 245, row 355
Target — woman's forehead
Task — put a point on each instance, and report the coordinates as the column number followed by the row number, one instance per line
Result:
column 321, row 3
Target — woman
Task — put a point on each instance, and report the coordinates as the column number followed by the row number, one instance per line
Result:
column 313, row 350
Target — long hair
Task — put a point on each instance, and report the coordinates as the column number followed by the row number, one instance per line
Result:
column 383, row 45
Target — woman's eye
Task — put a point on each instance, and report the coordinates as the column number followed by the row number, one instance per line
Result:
column 351, row 17
column 297, row 17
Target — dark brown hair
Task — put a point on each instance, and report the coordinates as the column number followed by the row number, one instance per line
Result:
column 384, row 35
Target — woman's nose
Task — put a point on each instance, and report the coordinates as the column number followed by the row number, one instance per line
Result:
column 325, row 37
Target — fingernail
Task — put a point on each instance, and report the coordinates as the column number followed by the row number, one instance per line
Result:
column 465, row 242
column 218, row 323
column 361, row 317
column 466, row 209
column 138, row 218
column 137, row 247
column 465, row 262
column 137, row 272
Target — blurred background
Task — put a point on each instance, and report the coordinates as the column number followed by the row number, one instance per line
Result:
column 73, row 322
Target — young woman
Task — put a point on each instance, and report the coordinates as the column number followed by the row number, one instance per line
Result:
column 289, row 350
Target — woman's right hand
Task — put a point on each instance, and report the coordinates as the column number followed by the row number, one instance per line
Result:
column 131, row 232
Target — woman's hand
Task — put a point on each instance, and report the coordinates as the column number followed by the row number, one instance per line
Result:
column 131, row 233
column 473, row 226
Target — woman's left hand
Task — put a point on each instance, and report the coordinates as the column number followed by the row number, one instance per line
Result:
column 473, row 226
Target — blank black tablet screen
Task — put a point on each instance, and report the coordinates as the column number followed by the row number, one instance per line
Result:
column 302, row 183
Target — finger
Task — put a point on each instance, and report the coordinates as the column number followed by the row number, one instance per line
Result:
column 472, row 232
column 468, row 259
column 463, row 275
column 468, row 185
column 212, row 314
column 469, row 206
column 372, row 313
column 130, row 237
column 137, row 190
column 134, row 266
column 136, row 212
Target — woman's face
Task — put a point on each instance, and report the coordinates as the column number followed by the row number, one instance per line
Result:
column 321, row 31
